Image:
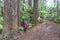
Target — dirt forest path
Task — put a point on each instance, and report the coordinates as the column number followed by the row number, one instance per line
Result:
column 46, row 31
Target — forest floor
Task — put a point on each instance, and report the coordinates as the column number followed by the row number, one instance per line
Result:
column 46, row 31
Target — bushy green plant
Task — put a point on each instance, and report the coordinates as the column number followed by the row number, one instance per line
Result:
column 1, row 26
column 30, row 25
column 1, row 20
column 40, row 20
column 25, row 16
column 43, row 13
column 53, row 17
column 29, row 10
column 57, row 19
column 20, row 28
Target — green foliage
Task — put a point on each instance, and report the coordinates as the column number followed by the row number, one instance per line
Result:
column 1, row 26
column 30, row 25
column 30, row 10
column 44, row 13
column 25, row 16
column 1, row 20
column 50, row 16
column 40, row 20
column 1, row 3
column 1, row 17
column 53, row 17
column 20, row 28
column 57, row 20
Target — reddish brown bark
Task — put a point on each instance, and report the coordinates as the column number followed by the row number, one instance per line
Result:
column 18, row 12
column 10, row 19
column 30, row 2
column 35, row 12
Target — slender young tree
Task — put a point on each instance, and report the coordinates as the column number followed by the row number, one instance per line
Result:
column 35, row 12
column 57, row 9
column 10, row 19
column 18, row 12
column 30, row 3
column 24, row 3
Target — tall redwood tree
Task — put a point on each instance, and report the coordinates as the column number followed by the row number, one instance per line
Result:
column 35, row 12
column 10, row 19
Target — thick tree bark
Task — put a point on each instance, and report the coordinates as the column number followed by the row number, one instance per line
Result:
column 35, row 12
column 18, row 12
column 10, row 19
column 30, row 3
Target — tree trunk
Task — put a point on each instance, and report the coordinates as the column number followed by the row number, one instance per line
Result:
column 10, row 19
column 18, row 12
column 57, row 10
column 35, row 12
column 30, row 3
